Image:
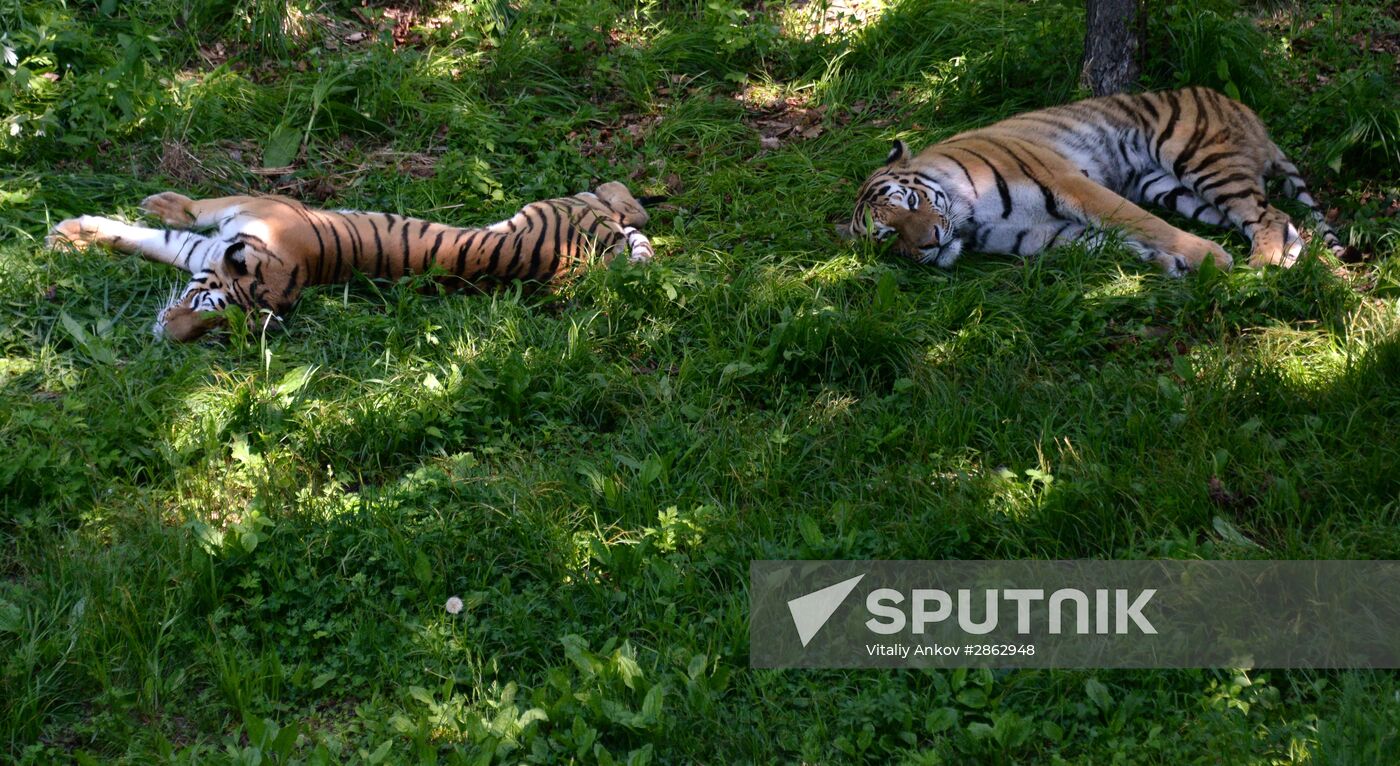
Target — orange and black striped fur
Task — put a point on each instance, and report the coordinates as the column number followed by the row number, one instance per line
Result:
column 1040, row 179
column 264, row 250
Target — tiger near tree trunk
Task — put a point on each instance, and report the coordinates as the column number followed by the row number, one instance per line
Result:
column 1044, row 178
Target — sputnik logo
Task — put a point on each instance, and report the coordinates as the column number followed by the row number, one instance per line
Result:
column 810, row 612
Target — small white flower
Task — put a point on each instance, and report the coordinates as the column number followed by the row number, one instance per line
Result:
column 454, row 605
column 15, row 129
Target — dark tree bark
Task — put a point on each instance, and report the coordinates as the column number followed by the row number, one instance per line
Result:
column 1110, row 46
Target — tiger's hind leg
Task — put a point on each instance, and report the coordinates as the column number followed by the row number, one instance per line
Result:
column 1237, row 190
column 1294, row 187
column 1276, row 241
column 1174, row 250
column 179, row 211
column 1273, row 237
column 182, row 249
column 1164, row 190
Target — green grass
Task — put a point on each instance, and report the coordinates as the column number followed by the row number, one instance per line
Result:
column 241, row 549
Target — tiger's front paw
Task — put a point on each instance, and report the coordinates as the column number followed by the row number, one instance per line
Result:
column 1223, row 260
column 75, row 233
column 1188, row 255
column 171, row 208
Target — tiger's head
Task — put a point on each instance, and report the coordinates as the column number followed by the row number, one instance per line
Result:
column 246, row 275
column 899, row 202
column 617, row 197
column 194, row 312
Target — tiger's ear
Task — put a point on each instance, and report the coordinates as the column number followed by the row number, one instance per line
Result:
column 843, row 230
column 235, row 259
column 898, row 151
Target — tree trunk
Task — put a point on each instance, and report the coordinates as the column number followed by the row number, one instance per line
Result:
column 1110, row 46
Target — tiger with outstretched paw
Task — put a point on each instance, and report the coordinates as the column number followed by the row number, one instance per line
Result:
column 259, row 253
column 1041, row 179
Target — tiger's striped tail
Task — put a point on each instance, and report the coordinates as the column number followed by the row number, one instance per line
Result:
column 638, row 245
column 1294, row 187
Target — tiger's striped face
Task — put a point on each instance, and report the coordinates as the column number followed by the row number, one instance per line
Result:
column 245, row 275
column 193, row 312
column 899, row 203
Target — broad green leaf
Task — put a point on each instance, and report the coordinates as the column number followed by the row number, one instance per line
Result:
column 11, row 617
column 629, row 670
column 1230, row 534
column 1098, row 693
column 811, row 533
column 282, row 146
column 422, row 568
column 941, row 720
column 973, row 698
column 697, row 666
column 651, row 704
column 295, row 380
column 74, row 329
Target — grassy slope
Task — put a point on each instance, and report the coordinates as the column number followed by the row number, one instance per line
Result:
column 197, row 539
